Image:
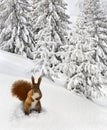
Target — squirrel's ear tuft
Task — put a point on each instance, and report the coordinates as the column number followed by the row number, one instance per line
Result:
column 39, row 80
column 33, row 80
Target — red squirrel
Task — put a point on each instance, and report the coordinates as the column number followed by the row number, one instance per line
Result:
column 29, row 93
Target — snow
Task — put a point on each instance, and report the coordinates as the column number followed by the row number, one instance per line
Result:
column 14, row 64
column 61, row 109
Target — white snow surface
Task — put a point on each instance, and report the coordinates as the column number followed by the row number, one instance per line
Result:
column 16, row 65
column 61, row 109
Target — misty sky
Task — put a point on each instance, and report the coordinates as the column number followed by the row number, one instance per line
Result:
column 73, row 7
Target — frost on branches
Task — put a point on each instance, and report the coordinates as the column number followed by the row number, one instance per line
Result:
column 50, row 29
column 85, row 69
column 15, row 33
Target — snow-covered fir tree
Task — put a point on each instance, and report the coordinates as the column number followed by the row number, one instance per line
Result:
column 86, row 62
column 95, row 22
column 50, row 26
column 15, row 27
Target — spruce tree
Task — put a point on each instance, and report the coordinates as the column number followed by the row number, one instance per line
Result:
column 51, row 24
column 15, row 27
column 87, row 61
column 95, row 23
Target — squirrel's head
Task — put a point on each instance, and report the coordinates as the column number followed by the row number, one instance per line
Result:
column 35, row 86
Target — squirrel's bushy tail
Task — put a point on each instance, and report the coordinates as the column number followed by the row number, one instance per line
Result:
column 20, row 89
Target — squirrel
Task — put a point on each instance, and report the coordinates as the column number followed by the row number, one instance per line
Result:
column 29, row 93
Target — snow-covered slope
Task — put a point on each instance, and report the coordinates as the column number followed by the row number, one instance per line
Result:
column 14, row 64
column 61, row 109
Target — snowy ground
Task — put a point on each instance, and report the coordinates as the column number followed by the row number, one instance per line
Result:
column 61, row 109
column 12, row 64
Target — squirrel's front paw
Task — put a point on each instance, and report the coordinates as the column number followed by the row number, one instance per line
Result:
column 26, row 113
